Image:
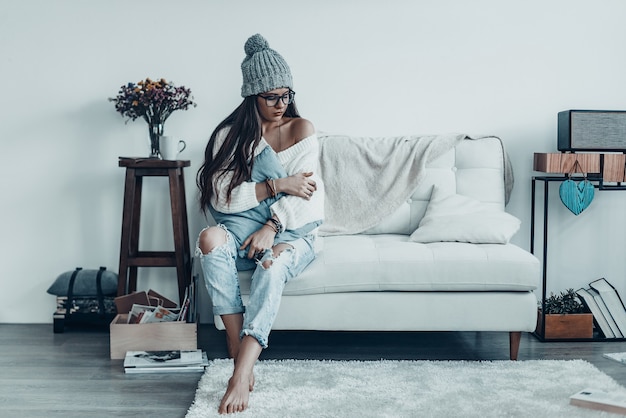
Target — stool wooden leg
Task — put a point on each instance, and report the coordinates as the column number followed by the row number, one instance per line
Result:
column 181, row 234
column 129, row 245
column 185, row 229
column 127, row 214
column 133, row 248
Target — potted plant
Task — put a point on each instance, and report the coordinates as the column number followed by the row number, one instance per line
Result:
column 565, row 317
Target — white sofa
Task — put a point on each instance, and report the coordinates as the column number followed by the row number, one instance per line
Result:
column 381, row 280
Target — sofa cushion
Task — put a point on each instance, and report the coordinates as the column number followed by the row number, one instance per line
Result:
column 475, row 168
column 453, row 217
column 391, row 262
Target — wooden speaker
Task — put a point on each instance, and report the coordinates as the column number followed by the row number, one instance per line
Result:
column 592, row 130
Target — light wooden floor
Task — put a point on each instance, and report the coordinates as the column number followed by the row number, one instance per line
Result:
column 43, row 374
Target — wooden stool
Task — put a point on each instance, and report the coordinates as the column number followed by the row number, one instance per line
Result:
column 130, row 256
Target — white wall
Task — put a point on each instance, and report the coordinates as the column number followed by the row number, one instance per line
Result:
column 366, row 68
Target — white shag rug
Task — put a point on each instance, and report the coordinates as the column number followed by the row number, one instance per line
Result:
column 386, row 388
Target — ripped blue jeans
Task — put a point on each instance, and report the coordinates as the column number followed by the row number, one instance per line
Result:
column 220, row 268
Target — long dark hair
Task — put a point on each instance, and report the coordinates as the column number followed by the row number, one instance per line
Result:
column 236, row 152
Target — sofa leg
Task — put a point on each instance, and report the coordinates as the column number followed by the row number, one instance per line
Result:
column 514, row 342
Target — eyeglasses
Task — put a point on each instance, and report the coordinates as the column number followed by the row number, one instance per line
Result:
column 272, row 100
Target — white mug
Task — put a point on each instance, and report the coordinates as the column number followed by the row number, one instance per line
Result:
column 170, row 147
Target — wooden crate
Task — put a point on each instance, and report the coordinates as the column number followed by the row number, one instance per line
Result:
column 151, row 337
column 560, row 326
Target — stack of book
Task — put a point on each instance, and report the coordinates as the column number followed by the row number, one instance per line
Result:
column 609, row 313
column 173, row 361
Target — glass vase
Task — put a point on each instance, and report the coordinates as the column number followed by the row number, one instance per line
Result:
column 156, row 131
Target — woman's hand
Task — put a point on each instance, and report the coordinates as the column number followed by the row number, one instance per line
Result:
column 299, row 184
column 259, row 241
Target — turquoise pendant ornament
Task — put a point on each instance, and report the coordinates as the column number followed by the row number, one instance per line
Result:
column 576, row 196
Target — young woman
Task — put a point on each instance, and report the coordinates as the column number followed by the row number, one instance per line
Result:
column 260, row 183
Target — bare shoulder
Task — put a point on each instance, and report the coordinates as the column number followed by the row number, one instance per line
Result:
column 301, row 128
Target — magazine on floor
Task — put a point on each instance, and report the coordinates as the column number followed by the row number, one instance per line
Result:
column 165, row 359
column 619, row 357
column 173, row 369
column 599, row 400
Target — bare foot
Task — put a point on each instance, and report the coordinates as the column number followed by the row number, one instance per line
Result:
column 251, row 386
column 236, row 397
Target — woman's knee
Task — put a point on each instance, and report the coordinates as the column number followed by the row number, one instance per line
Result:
column 277, row 250
column 211, row 238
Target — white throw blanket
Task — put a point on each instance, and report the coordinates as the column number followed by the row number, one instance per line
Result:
column 369, row 178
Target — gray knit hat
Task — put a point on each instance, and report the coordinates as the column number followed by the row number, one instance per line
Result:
column 263, row 69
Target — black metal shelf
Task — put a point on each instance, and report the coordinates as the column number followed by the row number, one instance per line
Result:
column 598, row 184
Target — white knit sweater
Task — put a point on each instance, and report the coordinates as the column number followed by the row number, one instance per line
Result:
column 292, row 211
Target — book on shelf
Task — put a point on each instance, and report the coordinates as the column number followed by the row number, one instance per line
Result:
column 600, row 400
column 590, row 303
column 612, row 301
column 170, row 361
column 605, row 311
column 619, row 357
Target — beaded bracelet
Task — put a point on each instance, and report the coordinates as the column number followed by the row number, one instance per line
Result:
column 277, row 224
